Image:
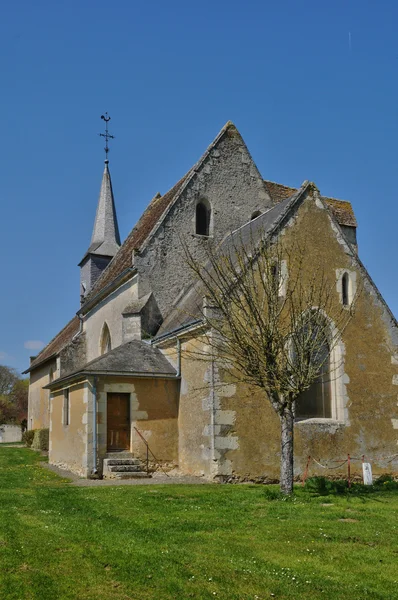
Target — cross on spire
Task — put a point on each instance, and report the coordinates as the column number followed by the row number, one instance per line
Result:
column 106, row 135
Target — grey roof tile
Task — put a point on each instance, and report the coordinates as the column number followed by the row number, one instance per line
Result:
column 135, row 357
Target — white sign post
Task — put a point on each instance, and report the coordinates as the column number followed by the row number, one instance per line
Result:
column 367, row 473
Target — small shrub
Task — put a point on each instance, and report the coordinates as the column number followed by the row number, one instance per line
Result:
column 27, row 437
column 272, row 493
column 323, row 487
column 41, row 439
column 385, row 482
column 382, row 479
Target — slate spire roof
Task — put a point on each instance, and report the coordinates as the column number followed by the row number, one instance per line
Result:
column 105, row 240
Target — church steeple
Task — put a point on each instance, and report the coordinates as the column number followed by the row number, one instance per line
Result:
column 105, row 240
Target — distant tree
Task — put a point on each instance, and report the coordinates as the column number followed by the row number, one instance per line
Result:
column 13, row 396
column 8, row 378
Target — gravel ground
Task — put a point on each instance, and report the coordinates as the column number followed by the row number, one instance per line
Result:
column 158, row 478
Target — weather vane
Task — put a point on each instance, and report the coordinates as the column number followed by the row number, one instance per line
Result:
column 106, row 135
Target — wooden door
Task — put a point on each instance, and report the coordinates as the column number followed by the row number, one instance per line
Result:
column 118, row 422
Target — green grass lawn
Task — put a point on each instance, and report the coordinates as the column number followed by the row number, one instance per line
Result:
column 180, row 542
column 10, row 444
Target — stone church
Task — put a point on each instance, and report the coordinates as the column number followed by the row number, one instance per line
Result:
column 120, row 374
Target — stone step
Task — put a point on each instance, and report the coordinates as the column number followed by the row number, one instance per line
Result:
column 122, row 461
column 122, row 467
column 125, row 468
column 118, row 455
column 134, row 475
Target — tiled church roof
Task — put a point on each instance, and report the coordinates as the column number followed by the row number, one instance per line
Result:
column 57, row 343
column 341, row 209
column 132, row 358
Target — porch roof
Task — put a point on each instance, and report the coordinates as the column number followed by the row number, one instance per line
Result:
column 132, row 359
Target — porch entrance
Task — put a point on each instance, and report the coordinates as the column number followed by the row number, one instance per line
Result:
column 118, row 422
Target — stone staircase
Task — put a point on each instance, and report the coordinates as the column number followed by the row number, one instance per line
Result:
column 122, row 465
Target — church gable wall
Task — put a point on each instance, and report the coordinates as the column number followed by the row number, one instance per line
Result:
column 244, row 431
column 108, row 311
column 229, row 182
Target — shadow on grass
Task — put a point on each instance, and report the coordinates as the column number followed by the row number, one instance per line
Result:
column 316, row 487
column 321, row 486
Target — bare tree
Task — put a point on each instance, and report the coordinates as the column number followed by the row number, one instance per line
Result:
column 270, row 313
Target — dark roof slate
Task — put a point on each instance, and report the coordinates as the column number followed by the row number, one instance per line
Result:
column 135, row 307
column 105, row 240
column 135, row 357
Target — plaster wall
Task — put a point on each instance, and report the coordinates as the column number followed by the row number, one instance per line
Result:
column 39, row 399
column 68, row 446
column 230, row 182
column 10, row 433
column 109, row 311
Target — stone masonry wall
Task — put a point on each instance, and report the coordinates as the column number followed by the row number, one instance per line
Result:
column 229, row 180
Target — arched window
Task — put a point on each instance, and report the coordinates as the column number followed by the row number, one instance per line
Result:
column 316, row 401
column 106, row 344
column 256, row 214
column 345, row 281
column 203, row 217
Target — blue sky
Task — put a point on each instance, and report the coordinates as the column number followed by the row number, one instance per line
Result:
column 312, row 86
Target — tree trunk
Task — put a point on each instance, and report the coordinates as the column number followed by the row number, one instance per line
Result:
column 287, row 426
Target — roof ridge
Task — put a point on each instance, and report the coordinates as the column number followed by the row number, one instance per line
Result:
column 282, row 184
column 336, row 199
